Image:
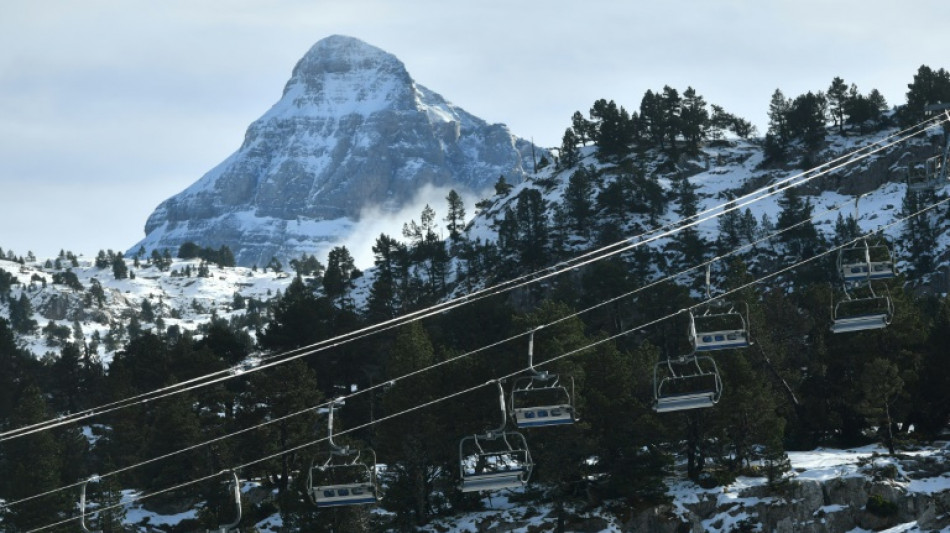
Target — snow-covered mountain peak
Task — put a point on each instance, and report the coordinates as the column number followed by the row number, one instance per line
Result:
column 343, row 75
column 351, row 132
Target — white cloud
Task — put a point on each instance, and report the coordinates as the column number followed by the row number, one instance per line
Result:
column 375, row 220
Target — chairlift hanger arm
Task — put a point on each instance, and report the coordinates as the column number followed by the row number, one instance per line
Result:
column 234, row 485
column 82, row 504
column 334, row 447
column 504, row 411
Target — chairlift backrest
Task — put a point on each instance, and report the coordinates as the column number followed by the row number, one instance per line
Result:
column 545, row 402
column 234, row 487
column 344, row 479
column 864, row 262
column 723, row 330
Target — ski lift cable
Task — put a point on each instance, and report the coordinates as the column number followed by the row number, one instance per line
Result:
column 514, row 337
column 463, row 355
column 450, row 360
column 588, row 257
column 483, row 293
column 390, row 382
column 512, row 374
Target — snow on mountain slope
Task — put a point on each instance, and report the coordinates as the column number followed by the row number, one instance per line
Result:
column 178, row 300
column 352, row 131
column 730, row 170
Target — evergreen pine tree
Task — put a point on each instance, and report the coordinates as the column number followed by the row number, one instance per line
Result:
column 417, row 448
column 778, row 117
column 687, row 240
column 800, row 234
column 694, row 120
column 391, row 263
column 533, row 229
column 455, row 218
column 569, row 155
column 919, row 232
column 119, row 269
column 806, row 120
column 730, row 229
column 33, row 465
column 614, row 128
column 577, row 199
column 929, row 87
column 338, row 278
column 837, row 101
column 881, row 384
column 582, row 128
column 653, row 121
column 288, row 388
column 671, row 106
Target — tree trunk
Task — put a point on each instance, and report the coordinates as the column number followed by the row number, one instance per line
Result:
column 890, row 427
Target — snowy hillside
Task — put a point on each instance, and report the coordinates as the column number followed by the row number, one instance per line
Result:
column 828, row 490
column 724, row 172
column 865, row 178
column 625, row 465
column 177, row 297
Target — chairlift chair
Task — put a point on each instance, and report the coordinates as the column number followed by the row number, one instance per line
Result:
column 861, row 314
column 930, row 175
column 234, row 487
column 344, row 478
column 540, row 400
column 919, row 179
column 934, row 167
column 719, row 330
column 494, row 460
column 720, row 326
column 687, row 382
column 864, row 262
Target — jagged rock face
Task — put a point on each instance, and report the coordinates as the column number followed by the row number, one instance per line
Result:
column 351, row 130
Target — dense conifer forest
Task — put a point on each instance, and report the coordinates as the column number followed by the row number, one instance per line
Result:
column 416, row 375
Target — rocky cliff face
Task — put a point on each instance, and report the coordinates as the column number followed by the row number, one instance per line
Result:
column 351, row 130
column 907, row 490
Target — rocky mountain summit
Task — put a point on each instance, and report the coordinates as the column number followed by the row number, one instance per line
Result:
column 352, row 130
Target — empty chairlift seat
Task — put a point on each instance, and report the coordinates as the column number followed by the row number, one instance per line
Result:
column 685, row 401
column 688, row 382
column 539, row 399
column 346, row 477
column 862, row 314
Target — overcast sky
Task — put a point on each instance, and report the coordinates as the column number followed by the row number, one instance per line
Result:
column 108, row 107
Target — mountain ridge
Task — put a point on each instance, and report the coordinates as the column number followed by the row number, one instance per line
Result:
column 351, row 130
